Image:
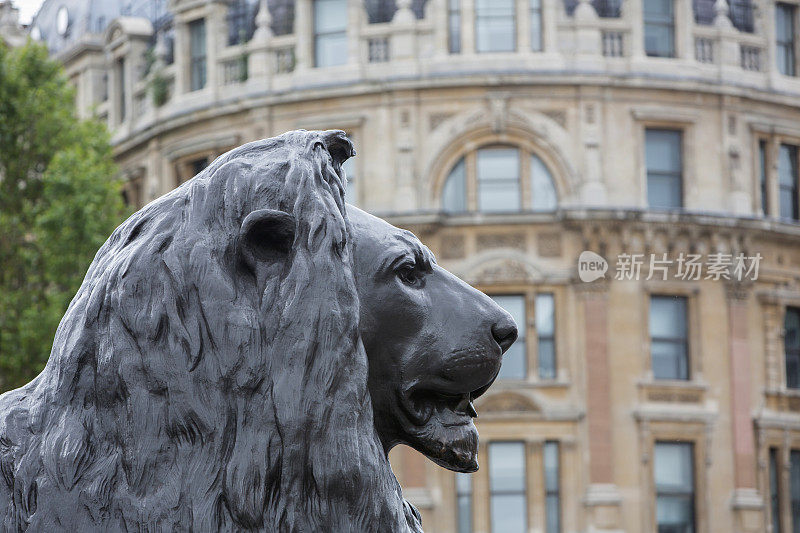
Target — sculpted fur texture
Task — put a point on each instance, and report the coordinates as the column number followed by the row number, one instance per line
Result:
column 209, row 374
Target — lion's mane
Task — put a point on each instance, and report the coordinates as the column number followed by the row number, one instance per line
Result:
column 184, row 393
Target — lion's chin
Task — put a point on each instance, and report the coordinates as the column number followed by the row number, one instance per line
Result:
column 452, row 447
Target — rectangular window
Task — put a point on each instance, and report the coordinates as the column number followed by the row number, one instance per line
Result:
column 785, row 39
column 454, row 26
column 659, row 28
column 498, row 179
column 774, row 491
column 330, row 32
column 762, row 170
column 197, row 44
column 545, row 316
column 787, row 181
column 664, row 161
column 674, row 479
column 669, row 343
column 791, row 346
column 508, row 505
column 514, row 360
column 464, row 502
column 495, row 26
column 122, row 91
column 536, row 25
column 794, row 487
column 552, row 487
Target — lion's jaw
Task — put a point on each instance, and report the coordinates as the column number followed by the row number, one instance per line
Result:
column 433, row 344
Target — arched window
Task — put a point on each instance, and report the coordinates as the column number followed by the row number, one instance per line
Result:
column 543, row 192
column 454, row 194
column 498, row 179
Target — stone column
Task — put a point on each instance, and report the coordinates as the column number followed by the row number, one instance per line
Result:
column 535, row 483
column 467, row 26
column 684, row 29
column 602, row 498
column 437, row 9
column 216, row 37
column 355, row 13
column 258, row 65
column 587, row 32
column 550, row 13
column 745, row 500
column 303, row 29
column 523, row 39
column 181, row 57
column 598, row 402
column 633, row 14
column 403, row 40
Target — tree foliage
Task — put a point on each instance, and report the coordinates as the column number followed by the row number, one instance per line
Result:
column 58, row 204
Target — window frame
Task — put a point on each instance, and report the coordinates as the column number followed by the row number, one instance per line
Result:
column 454, row 19
column 790, row 45
column 459, row 495
column 515, row 24
column 525, row 150
column 672, row 53
column 672, row 288
column 551, row 337
column 552, row 492
column 795, row 351
column 794, row 187
column 527, row 332
column 198, row 64
column 763, row 175
column 315, row 34
column 492, row 491
column 692, row 495
column 774, row 485
column 522, row 336
column 679, row 176
column 483, row 182
column 535, row 12
column 122, row 97
column 772, row 144
column 794, row 497
column 685, row 342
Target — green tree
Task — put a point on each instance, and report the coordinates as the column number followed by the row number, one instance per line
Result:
column 58, row 204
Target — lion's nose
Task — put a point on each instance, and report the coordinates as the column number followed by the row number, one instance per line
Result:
column 505, row 332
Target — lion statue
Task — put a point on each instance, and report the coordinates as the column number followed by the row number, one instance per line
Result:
column 241, row 356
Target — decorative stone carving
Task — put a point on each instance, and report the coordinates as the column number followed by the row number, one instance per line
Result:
column 508, row 402
column 548, row 245
column 556, row 115
column 436, row 119
column 453, row 247
column 490, row 241
column 501, row 271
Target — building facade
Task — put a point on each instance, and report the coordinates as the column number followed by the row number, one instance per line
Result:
column 512, row 136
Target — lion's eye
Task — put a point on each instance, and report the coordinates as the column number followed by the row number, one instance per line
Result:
column 409, row 274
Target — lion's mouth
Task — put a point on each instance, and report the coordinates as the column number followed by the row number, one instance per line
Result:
column 421, row 403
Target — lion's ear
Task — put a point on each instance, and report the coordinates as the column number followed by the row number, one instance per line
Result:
column 265, row 235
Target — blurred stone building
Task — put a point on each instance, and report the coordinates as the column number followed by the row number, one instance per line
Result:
column 511, row 136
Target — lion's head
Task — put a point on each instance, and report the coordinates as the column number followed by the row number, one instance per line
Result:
column 434, row 344
column 209, row 374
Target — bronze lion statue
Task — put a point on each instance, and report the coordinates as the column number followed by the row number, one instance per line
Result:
column 242, row 356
